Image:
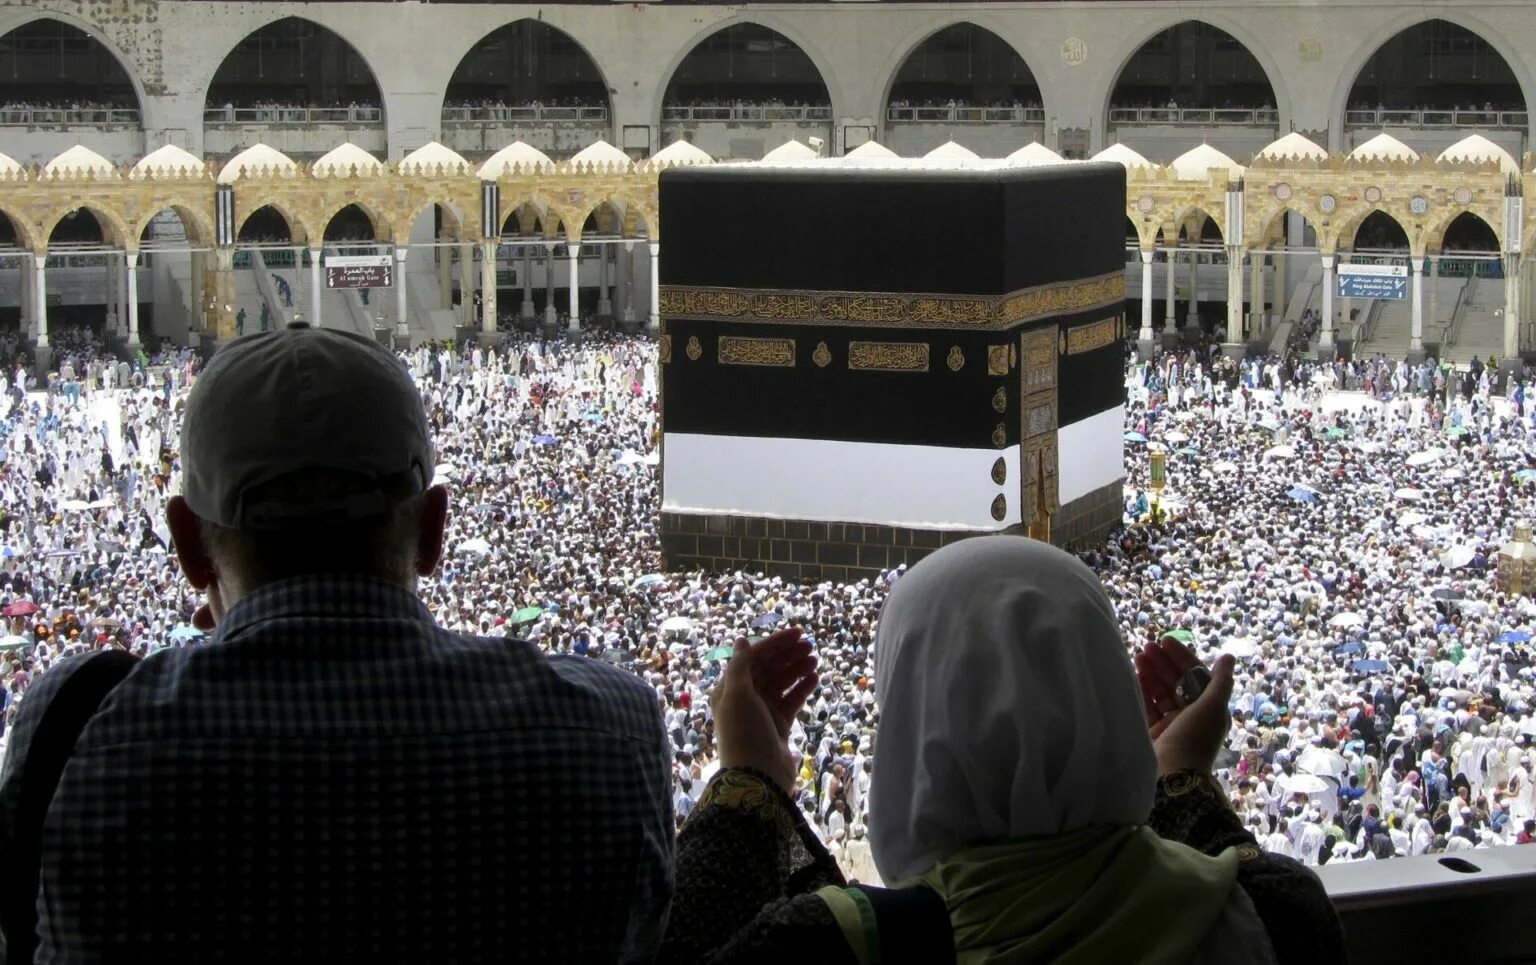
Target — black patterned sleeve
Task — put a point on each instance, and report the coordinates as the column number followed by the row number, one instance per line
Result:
column 1303, row 927
column 747, row 871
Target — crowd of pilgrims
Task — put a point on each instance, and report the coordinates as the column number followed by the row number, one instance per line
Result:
column 1332, row 526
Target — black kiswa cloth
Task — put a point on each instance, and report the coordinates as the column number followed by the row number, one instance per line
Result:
column 988, row 232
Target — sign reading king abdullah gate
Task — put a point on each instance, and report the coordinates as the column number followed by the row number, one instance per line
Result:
column 359, row 271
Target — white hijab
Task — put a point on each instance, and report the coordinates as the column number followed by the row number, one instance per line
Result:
column 1008, row 707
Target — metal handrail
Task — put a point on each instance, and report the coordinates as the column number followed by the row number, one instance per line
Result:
column 1459, row 313
column 967, row 115
column 293, row 115
column 750, row 113
column 87, row 116
column 1383, row 117
column 1262, row 116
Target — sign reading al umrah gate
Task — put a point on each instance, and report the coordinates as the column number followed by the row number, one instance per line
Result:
column 863, row 362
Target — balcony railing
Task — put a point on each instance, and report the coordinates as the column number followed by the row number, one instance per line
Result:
column 293, row 115
column 497, row 114
column 967, row 115
column 75, row 117
column 1433, row 118
column 750, row 114
column 1200, row 116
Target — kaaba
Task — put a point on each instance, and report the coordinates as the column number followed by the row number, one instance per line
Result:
column 860, row 365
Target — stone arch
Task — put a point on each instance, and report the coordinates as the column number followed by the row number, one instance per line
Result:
column 1190, row 220
column 114, row 229
column 1269, row 223
column 553, row 217
column 508, row 27
column 913, row 46
column 631, row 213
column 198, row 226
column 26, row 235
column 759, row 18
column 1253, row 45
column 273, row 19
column 299, row 230
column 376, row 221
column 1349, row 229
column 530, row 220
column 1349, row 74
column 1434, row 234
column 453, row 223
column 33, row 14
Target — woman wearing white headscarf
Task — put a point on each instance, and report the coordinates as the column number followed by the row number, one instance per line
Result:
column 1018, row 803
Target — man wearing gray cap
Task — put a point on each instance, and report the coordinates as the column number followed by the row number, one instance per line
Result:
column 333, row 777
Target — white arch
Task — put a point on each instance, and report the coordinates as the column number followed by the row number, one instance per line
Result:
column 759, row 18
column 29, row 14
column 1409, row 19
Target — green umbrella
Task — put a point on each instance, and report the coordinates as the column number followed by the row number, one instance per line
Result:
column 1456, row 431
column 720, row 653
column 527, row 614
column 1188, row 451
column 1183, row 636
column 1336, row 433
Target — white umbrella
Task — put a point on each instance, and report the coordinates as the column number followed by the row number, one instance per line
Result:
column 676, row 624
column 100, row 504
column 1225, row 466
column 1412, row 518
column 1320, row 761
column 1409, row 493
column 1457, row 556
column 476, row 547
column 1306, row 784
column 1424, row 458
column 1280, row 452
column 1451, row 475
column 652, row 459
column 1347, row 620
column 630, row 458
column 445, row 470
column 74, row 505
column 1240, row 647
column 1177, row 435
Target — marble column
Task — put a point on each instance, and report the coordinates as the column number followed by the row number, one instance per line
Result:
column 1325, row 336
column 40, row 298
column 574, row 322
column 488, row 288
column 466, row 285
column 402, row 321
column 1512, row 293
column 1416, row 339
column 1171, row 264
column 1146, row 296
column 551, row 317
column 525, row 311
column 132, row 259
column 653, row 323
column 314, row 287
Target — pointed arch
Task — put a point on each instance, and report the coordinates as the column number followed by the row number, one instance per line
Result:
column 963, row 46
column 1401, row 31
column 194, row 221
column 559, row 70
column 114, row 231
column 811, row 69
column 347, row 222
column 1219, row 38
column 262, row 224
column 23, row 232
column 123, row 82
column 280, row 62
column 1466, row 230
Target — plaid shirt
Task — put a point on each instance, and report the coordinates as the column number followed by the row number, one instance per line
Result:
column 334, row 778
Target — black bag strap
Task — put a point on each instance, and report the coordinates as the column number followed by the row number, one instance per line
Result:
column 71, row 708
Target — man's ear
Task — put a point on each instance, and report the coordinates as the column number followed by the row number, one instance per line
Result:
column 432, row 530
column 191, row 551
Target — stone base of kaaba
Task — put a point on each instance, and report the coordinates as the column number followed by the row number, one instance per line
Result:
column 798, row 549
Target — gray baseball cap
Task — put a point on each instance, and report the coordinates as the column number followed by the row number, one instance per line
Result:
column 302, row 398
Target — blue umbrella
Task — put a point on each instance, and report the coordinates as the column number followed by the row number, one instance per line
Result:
column 1514, row 636
column 8, row 552
column 1135, row 437
column 766, row 620
column 593, row 417
column 1526, row 474
column 545, row 440
column 651, row 578
column 1370, row 666
column 186, row 633
column 1354, row 646
column 1302, row 495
